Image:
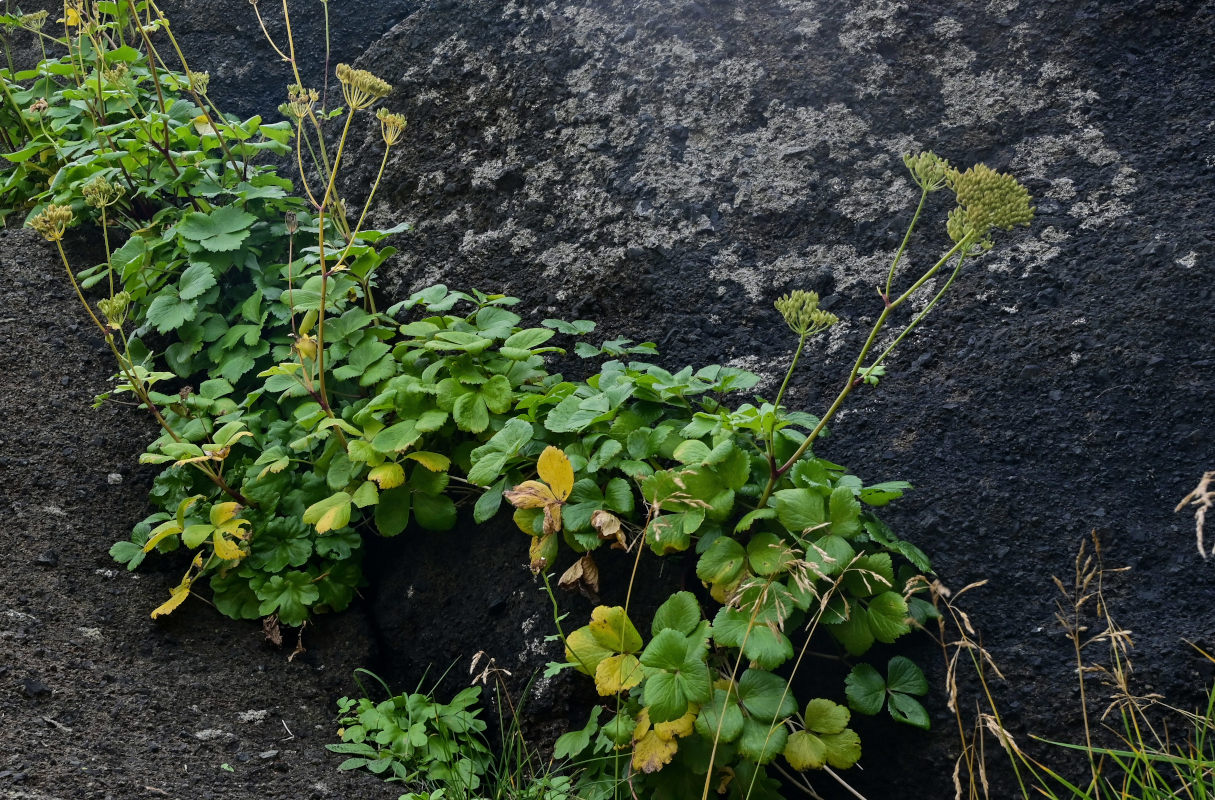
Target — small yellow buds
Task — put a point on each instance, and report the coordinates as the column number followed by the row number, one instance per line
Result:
column 928, row 170
column 986, row 199
column 802, row 314
column 117, row 73
column 115, row 309
column 391, row 125
column 300, row 100
column 360, row 88
column 100, row 192
column 52, row 222
column 199, row 81
column 33, row 22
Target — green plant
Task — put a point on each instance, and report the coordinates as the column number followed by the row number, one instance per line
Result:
column 318, row 418
column 439, row 750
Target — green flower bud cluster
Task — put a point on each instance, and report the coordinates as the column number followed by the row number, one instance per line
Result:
column 391, row 125
column 199, row 81
column 986, row 199
column 33, row 22
column 299, row 101
column 117, row 73
column 52, row 222
column 928, row 170
column 115, row 309
column 360, row 88
column 99, row 192
column 802, row 314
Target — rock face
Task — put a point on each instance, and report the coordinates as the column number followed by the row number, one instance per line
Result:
column 668, row 168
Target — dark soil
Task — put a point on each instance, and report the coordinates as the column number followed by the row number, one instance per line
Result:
column 668, row 169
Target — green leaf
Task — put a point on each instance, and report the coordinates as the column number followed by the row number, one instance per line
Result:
column 392, row 512
column 470, row 413
column 765, row 696
column 908, row 710
column 489, row 502
column 127, row 553
column 865, row 688
column 805, row 751
column 618, row 496
column 680, row 612
column 759, row 643
column 767, row 554
column 222, row 230
column 761, row 741
column 903, row 675
column 434, row 512
column 168, row 312
column 196, row 280
column 288, row 595
column 845, row 512
column 887, row 615
column 720, row 715
column 799, row 510
column 396, row 438
column 722, row 563
column 879, row 494
column 574, row 742
column 824, row 716
column 676, row 675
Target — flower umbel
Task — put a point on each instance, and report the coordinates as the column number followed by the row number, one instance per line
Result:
column 360, row 88
column 928, row 170
column 52, row 222
column 802, row 314
column 391, row 125
column 986, row 199
column 115, row 309
column 100, row 192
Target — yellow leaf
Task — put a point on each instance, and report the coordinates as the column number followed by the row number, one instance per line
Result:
column 614, row 630
column 161, row 532
column 387, row 476
column 204, row 125
column 543, row 551
column 435, row 462
column 555, row 470
column 226, row 549
column 678, row 727
column 651, row 753
column 530, row 494
column 71, row 18
column 178, row 595
column 222, row 512
column 617, row 673
column 584, row 651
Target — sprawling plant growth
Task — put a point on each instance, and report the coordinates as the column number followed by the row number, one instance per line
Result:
column 298, row 417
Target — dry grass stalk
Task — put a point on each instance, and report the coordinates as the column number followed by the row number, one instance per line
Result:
column 1203, row 496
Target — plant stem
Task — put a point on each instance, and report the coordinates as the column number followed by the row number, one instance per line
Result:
column 852, row 381
column 906, row 238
